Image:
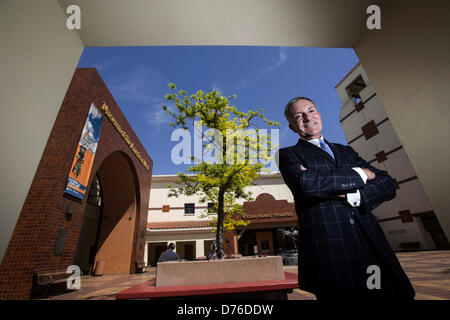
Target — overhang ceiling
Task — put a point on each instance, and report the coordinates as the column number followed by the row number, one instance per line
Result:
column 319, row 23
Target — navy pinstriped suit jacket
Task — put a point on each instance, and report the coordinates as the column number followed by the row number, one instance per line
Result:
column 330, row 230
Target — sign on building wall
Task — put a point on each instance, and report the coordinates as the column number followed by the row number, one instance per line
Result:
column 84, row 156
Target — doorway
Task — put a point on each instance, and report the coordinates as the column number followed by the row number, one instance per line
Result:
column 186, row 250
column 154, row 252
column 431, row 224
column 108, row 225
column 264, row 242
column 86, row 248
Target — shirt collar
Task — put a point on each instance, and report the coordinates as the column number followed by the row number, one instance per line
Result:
column 315, row 141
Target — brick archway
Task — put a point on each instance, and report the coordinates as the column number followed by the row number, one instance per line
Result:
column 51, row 219
column 119, row 211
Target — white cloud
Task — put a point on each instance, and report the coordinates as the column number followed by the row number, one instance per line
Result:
column 276, row 63
column 157, row 117
column 282, row 57
column 136, row 84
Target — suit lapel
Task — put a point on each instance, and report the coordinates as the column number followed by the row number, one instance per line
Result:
column 304, row 148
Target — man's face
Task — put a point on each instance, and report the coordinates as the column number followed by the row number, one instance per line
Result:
column 305, row 120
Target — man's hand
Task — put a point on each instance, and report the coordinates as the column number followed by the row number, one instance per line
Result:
column 303, row 168
column 370, row 175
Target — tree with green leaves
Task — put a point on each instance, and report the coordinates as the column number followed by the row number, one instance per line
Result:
column 240, row 151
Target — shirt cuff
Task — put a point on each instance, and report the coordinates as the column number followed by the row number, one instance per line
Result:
column 361, row 173
column 354, row 198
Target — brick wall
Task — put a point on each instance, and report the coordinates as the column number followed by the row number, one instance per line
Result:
column 42, row 216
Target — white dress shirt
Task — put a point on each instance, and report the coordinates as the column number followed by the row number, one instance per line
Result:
column 353, row 198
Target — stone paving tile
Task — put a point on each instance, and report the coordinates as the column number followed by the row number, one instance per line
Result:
column 298, row 294
column 420, row 296
column 429, row 272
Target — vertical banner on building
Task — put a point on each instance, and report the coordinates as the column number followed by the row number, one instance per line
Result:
column 84, row 156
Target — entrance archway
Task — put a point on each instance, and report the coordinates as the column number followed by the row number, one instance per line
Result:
column 110, row 218
column 87, row 241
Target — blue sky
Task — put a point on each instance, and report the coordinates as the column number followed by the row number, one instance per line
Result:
column 261, row 77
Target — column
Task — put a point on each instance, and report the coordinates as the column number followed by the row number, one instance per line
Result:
column 146, row 254
column 199, row 248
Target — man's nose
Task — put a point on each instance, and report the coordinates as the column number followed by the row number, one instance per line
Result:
column 307, row 117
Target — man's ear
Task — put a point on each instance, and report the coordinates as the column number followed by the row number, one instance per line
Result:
column 292, row 128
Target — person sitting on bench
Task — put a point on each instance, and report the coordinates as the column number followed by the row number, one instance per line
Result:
column 169, row 254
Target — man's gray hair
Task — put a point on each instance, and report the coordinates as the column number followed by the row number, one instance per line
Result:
column 290, row 103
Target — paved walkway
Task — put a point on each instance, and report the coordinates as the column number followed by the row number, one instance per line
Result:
column 429, row 272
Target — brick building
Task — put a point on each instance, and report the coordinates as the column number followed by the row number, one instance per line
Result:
column 55, row 229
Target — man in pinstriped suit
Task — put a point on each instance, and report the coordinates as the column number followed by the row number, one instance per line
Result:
column 334, row 192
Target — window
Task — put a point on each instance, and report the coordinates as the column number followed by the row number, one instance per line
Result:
column 95, row 193
column 189, row 208
column 354, row 88
column 211, row 208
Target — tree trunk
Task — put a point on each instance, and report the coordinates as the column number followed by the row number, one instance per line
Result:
column 219, row 233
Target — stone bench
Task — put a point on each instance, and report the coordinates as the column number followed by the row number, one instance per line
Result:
column 246, row 278
column 187, row 273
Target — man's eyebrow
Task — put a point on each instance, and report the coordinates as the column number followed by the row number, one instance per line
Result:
column 307, row 109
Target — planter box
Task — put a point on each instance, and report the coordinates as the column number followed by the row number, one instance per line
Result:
column 219, row 271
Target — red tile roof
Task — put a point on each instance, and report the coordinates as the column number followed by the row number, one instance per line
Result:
column 179, row 225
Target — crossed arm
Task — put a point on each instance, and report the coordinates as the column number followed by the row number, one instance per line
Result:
column 337, row 182
column 377, row 190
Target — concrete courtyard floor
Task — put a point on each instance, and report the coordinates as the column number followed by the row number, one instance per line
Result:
column 429, row 272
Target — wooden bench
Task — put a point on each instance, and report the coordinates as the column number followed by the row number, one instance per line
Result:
column 256, row 290
column 51, row 277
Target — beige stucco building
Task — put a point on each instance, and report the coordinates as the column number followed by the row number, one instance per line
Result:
column 184, row 220
column 408, row 221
